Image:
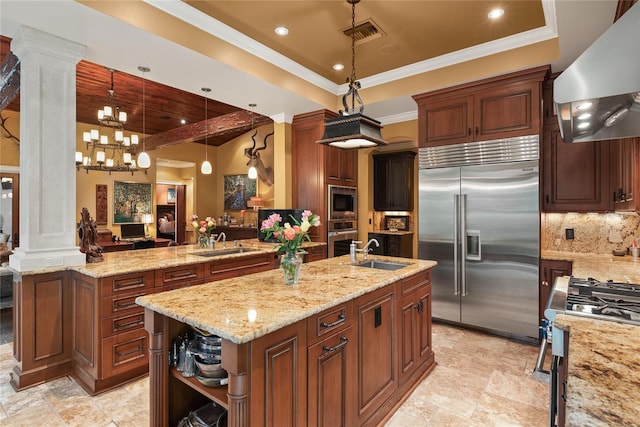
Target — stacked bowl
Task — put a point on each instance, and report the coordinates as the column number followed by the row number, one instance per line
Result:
column 208, row 359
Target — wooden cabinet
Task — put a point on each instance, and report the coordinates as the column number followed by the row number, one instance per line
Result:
column 377, row 364
column 393, row 181
column 398, row 245
column 233, row 267
column 341, row 167
column 414, row 334
column 495, row 108
column 315, row 166
column 575, row 177
column 237, row 233
column 315, row 253
column 331, row 363
column 549, row 270
column 624, row 174
column 179, row 277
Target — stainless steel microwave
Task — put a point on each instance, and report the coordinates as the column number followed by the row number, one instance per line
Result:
column 343, row 202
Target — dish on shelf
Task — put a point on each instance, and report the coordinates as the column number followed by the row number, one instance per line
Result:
column 210, row 370
column 212, row 382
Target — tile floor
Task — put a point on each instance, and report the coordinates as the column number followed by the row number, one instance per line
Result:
column 480, row 380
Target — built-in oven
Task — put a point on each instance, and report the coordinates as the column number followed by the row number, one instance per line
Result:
column 342, row 203
column 340, row 235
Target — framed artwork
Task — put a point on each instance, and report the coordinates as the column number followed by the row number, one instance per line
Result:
column 400, row 223
column 237, row 190
column 171, row 195
column 101, row 204
column 131, row 200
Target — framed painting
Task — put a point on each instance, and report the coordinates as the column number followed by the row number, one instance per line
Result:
column 237, row 190
column 131, row 200
column 171, row 195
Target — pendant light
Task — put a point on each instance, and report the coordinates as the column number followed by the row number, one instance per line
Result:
column 253, row 172
column 206, row 168
column 144, row 161
column 352, row 129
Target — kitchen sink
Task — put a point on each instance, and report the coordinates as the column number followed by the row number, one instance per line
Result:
column 210, row 254
column 382, row 265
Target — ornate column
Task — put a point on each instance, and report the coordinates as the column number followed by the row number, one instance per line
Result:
column 282, row 167
column 47, row 147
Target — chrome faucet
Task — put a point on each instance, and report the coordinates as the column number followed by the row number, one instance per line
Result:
column 366, row 249
column 213, row 240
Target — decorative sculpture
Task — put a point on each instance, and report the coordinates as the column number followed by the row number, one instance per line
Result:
column 87, row 231
column 264, row 173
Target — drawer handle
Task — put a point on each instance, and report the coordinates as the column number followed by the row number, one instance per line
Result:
column 138, row 349
column 129, row 284
column 120, row 305
column 341, row 319
column 178, row 275
column 118, row 325
column 343, row 342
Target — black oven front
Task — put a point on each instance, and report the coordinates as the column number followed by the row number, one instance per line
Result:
column 343, row 203
column 340, row 235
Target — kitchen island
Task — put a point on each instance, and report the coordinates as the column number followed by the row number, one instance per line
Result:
column 348, row 344
column 83, row 321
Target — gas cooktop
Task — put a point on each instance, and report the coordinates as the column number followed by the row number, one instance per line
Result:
column 606, row 300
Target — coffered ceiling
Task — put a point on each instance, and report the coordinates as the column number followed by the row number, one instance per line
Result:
column 231, row 47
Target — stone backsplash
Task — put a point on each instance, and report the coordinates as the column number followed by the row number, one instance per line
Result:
column 593, row 233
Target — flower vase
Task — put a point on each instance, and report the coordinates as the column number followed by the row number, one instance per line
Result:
column 203, row 241
column 291, row 263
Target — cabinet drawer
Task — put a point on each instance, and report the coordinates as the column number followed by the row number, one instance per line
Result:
column 141, row 282
column 119, row 303
column 179, row 275
column 329, row 321
column 114, row 325
column 234, row 267
column 123, row 352
column 412, row 283
column 315, row 253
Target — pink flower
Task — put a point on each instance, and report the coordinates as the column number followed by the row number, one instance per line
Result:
column 272, row 220
column 289, row 233
column 203, row 229
column 306, row 214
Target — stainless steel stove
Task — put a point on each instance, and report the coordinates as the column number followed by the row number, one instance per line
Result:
column 603, row 300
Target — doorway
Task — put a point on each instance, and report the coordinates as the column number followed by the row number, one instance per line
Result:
column 171, row 212
column 9, row 210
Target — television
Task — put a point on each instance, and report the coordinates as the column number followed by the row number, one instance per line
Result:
column 284, row 213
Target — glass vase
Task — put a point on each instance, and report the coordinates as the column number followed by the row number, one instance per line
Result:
column 203, row 241
column 291, row 263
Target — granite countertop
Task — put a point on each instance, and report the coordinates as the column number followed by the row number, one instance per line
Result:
column 599, row 266
column 603, row 388
column 124, row 262
column 247, row 307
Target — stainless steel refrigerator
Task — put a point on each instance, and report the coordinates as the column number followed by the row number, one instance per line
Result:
column 479, row 219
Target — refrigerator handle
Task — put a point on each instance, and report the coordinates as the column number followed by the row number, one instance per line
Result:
column 463, row 241
column 456, row 239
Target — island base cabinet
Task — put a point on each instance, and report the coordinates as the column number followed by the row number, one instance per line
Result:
column 331, row 388
column 278, row 380
column 377, row 368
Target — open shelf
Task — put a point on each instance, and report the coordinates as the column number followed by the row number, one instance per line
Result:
column 217, row 394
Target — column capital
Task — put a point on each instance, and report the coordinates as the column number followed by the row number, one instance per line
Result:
column 29, row 40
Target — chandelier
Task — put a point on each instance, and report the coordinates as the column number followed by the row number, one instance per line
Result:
column 352, row 129
column 109, row 148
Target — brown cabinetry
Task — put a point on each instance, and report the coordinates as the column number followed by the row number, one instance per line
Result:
column 341, row 167
column 624, row 176
column 315, row 166
column 377, row 363
column 414, row 336
column 549, row 270
column 393, row 181
column 575, row 177
column 331, row 363
column 500, row 107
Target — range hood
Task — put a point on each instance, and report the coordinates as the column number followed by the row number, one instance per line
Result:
column 598, row 96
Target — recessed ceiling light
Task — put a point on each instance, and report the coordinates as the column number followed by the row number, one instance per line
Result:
column 338, row 67
column 496, row 13
column 281, row 31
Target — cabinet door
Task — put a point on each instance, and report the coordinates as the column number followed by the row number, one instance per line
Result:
column 377, row 377
column 623, row 175
column 447, row 120
column 331, row 388
column 575, row 177
column 278, row 380
column 341, row 166
column 507, row 112
column 393, row 181
column 415, row 330
column 549, row 270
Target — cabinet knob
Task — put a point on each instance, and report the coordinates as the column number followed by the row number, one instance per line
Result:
column 477, row 130
column 468, row 131
column 545, row 283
